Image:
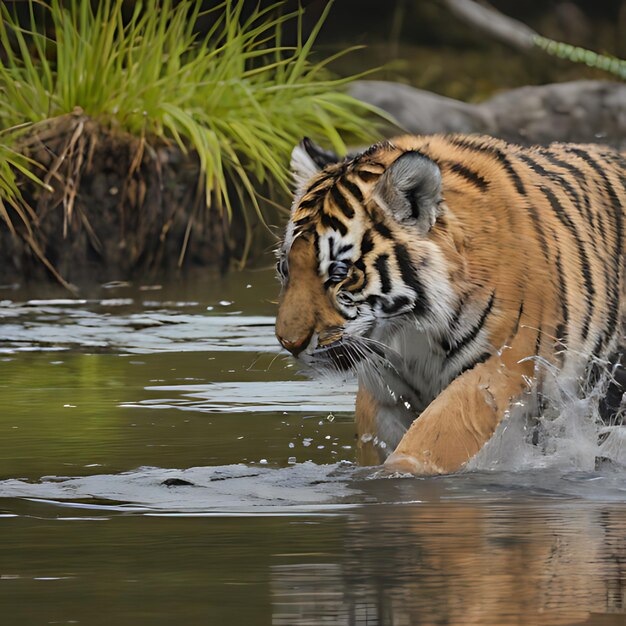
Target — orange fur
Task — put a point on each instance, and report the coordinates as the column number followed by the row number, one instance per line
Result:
column 534, row 237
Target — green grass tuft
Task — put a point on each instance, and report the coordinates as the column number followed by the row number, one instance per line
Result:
column 237, row 97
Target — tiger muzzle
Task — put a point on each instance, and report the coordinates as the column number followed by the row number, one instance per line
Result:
column 295, row 345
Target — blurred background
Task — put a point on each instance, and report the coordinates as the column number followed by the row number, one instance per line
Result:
column 156, row 137
column 424, row 44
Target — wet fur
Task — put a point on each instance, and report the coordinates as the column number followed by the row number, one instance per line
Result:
column 453, row 292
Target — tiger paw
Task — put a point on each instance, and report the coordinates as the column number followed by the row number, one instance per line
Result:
column 401, row 463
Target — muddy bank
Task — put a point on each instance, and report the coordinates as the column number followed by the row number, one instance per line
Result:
column 122, row 208
column 119, row 208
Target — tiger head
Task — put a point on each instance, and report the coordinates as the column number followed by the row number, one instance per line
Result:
column 363, row 260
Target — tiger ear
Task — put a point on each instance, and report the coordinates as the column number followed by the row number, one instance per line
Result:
column 307, row 159
column 410, row 190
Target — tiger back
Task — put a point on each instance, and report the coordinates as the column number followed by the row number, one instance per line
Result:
column 441, row 270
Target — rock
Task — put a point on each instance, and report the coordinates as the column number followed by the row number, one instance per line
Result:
column 177, row 482
column 578, row 111
column 420, row 111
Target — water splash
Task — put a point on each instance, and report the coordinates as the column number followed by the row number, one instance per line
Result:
column 559, row 427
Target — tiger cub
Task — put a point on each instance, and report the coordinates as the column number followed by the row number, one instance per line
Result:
column 442, row 269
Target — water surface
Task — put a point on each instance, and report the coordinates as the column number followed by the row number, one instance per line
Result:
column 161, row 462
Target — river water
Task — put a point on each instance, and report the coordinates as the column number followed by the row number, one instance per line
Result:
column 162, row 463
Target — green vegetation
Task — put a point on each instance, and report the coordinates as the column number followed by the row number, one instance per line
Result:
column 576, row 54
column 236, row 98
column 10, row 195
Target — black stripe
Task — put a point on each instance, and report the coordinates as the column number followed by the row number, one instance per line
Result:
column 612, row 295
column 339, row 250
column 563, row 182
column 613, row 315
column 602, row 226
column 353, row 189
column 410, row 278
column 538, row 340
column 561, row 330
column 382, row 229
column 330, row 221
column 608, row 187
column 331, row 246
column 536, row 221
column 555, row 176
column 382, row 267
column 481, row 358
column 519, row 317
column 317, row 184
column 536, row 167
column 312, row 201
column 359, row 264
column 458, row 311
column 501, row 157
column 587, row 207
column 618, row 260
column 579, row 177
column 454, row 322
column 561, row 336
column 510, row 170
column 457, row 346
column 345, row 248
column 341, row 202
column 582, row 253
column 367, row 245
column 316, row 244
column 597, row 349
column 469, row 175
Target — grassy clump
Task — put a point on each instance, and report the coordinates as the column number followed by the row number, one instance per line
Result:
column 10, row 195
column 237, row 97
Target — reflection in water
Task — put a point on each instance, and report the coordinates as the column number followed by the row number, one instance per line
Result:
column 275, row 528
column 283, row 395
column 459, row 564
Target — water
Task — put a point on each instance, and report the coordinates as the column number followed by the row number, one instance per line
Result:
column 161, row 462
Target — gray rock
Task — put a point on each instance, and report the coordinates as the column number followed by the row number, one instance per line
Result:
column 579, row 111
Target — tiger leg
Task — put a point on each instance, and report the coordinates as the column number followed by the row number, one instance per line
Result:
column 366, row 429
column 456, row 424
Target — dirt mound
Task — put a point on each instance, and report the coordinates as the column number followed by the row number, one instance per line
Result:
column 119, row 207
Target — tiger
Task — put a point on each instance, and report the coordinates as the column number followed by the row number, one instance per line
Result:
column 441, row 269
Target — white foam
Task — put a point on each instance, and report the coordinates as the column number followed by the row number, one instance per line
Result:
column 568, row 434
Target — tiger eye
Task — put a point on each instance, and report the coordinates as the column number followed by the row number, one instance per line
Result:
column 338, row 270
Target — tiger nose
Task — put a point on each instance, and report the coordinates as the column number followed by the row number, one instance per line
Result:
column 295, row 346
